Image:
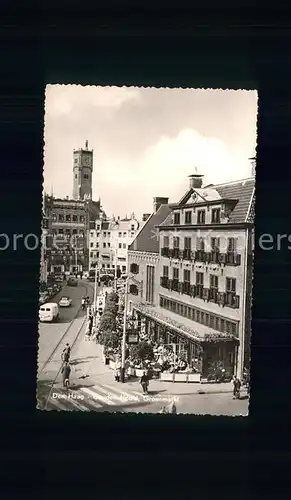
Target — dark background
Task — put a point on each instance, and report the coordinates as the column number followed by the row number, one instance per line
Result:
column 62, row 455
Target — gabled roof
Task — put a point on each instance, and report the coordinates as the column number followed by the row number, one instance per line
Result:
column 242, row 191
column 147, row 240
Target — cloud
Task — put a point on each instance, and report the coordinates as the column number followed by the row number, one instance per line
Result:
column 64, row 99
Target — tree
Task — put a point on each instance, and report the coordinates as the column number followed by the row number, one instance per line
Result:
column 107, row 321
column 142, row 352
column 110, row 340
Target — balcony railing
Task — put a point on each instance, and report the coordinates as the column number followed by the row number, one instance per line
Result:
column 213, row 257
column 164, row 281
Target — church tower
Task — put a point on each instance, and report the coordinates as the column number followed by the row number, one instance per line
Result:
column 82, row 173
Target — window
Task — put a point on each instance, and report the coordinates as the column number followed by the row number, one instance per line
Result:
column 213, row 287
column 61, row 218
column 215, row 216
column 186, row 276
column 187, row 243
column 211, row 321
column 76, row 176
column 91, row 255
column 150, row 284
column 199, row 279
column 92, row 235
column 201, row 216
column 104, row 234
column 86, row 177
column 75, row 218
column 76, row 160
column 166, row 241
column 97, row 254
column 165, row 271
column 132, row 227
column 231, row 285
column 188, row 217
column 68, row 232
column 131, row 234
column 215, row 244
column 124, row 245
column 104, row 245
column 213, row 281
column 177, row 218
column 54, row 218
column 97, row 244
column 134, row 268
column 74, row 231
column 103, row 265
column 200, row 244
column 91, row 245
column 68, row 218
column 176, row 242
column 98, row 229
column 232, row 245
column 108, row 244
column 119, row 235
column 119, row 245
column 175, row 273
column 61, row 231
column 98, row 235
column 109, row 234
column 124, row 234
column 82, row 218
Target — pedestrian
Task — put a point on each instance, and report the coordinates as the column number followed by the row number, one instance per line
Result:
column 66, row 371
column 66, row 353
column 173, row 408
column 117, row 374
column 236, row 387
column 144, row 382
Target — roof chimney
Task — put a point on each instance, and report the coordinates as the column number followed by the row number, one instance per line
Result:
column 253, row 163
column 195, row 180
column 158, row 201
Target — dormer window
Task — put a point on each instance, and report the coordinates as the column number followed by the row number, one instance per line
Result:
column 215, row 216
column 177, row 218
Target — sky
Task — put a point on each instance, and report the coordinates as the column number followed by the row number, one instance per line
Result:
column 146, row 141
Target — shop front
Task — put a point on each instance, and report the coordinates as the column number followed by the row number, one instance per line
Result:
column 187, row 351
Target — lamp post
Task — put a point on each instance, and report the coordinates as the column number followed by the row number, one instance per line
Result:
column 123, row 344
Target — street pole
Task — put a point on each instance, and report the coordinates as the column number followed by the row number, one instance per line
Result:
column 123, row 345
column 115, row 272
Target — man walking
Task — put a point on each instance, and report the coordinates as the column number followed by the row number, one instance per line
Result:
column 66, row 371
column 236, row 387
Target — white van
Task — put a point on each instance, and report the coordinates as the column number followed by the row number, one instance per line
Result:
column 49, row 312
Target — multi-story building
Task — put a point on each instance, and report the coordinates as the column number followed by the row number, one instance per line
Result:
column 144, row 258
column 109, row 242
column 66, row 248
column 202, row 292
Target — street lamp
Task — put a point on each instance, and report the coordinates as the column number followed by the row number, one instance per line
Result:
column 123, row 345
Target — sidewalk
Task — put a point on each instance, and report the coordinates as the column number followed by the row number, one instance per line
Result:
column 87, row 363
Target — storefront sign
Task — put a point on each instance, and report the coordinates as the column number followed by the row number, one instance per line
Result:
column 132, row 338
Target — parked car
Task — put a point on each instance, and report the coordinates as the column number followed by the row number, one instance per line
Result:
column 65, row 302
column 59, row 278
column 72, row 281
column 49, row 312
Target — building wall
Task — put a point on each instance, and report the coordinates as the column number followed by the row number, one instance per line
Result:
column 144, row 259
column 110, row 246
column 221, row 271
column 68, row 223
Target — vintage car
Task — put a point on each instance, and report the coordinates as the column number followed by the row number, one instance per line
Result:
column 65, row 302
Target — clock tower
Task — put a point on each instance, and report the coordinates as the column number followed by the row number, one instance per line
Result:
column 82, row 173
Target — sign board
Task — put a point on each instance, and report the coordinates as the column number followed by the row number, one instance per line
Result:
column 132, row 338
